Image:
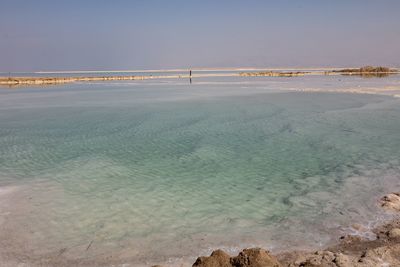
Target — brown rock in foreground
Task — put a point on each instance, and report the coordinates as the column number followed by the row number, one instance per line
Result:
column 394, row 233
column 351, row 251
column 255, row 257
column 252, row 257
column 391, row 202
column 217, row 259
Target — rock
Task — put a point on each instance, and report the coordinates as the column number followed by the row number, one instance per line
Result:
column 381, row 256
column 394, row 233
column 326, row 259
column 342, row 260
column 391, row 202
column 252, row 257
column 320, row 258
column 255, row 257
column 350, row 239
column 351, row 251
column 217, row 259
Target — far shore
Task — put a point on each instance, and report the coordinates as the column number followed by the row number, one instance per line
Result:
column 25, row 81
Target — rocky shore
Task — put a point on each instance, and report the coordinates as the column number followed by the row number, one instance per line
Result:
column 351, row 251
column 61, row 80
column 367, row 71
column 274, row 74
column 20, row 81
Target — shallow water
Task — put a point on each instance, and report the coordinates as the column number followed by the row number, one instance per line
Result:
column 162, row 171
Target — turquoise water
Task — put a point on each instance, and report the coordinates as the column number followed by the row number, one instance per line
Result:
column 157, row 172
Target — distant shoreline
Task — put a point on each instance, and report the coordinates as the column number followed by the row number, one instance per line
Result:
column 200, row 69
column 239, row 72
column 184, row 70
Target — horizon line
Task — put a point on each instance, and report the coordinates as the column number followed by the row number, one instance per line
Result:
column 182, row 70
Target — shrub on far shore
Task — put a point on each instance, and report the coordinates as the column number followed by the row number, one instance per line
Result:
column 367, row 69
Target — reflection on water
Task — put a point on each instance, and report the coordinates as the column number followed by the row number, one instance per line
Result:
column 148, row 172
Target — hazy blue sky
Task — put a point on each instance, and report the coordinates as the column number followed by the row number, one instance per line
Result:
column 148, row 34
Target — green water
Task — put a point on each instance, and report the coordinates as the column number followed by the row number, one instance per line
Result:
column 171, row 170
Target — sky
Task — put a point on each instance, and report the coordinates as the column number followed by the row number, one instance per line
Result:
column 58, row 35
